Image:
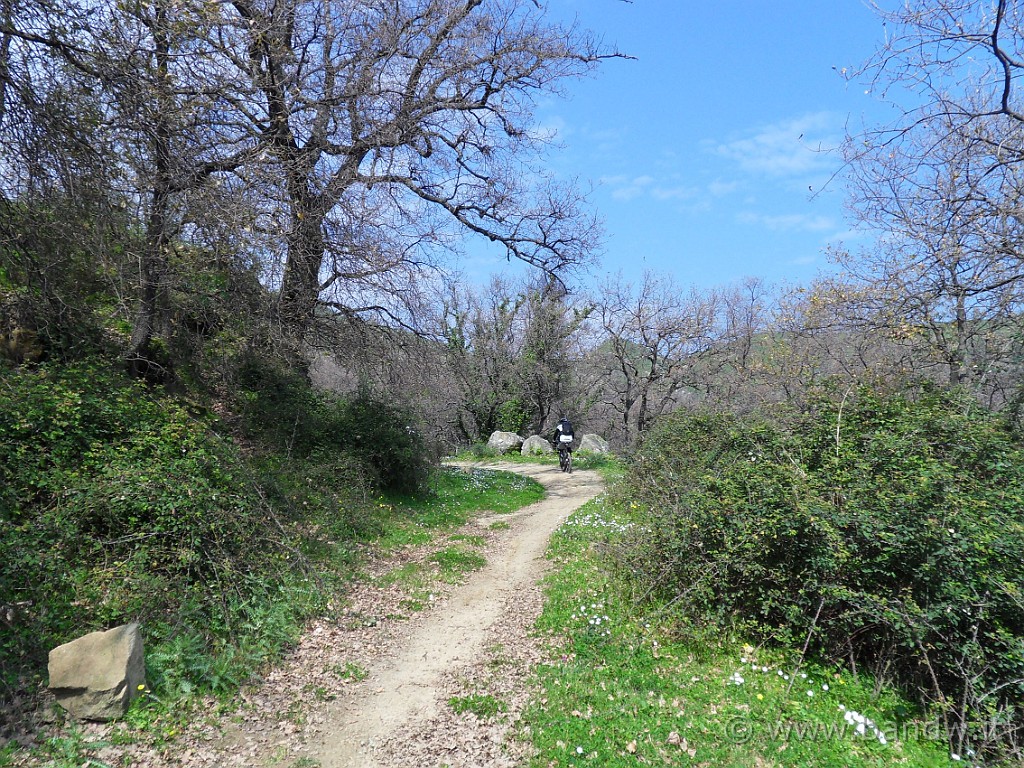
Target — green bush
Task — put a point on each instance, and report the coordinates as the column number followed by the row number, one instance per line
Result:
column 281, row 406
column 386, row 437
column 121, row 504
column 883, row 530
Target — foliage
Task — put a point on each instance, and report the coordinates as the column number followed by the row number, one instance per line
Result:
column 512, row 415
column 57, row 256
column 883, row 529
column 281, row 408
column 621, row 689
column 126, row 505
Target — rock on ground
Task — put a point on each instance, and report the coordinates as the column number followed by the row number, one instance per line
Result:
column 505, row 442
column 594, row 444
column 96, row 676
column 536, row 445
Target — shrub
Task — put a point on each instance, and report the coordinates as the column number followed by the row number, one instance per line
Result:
column 885, row 530
column 123, row 505
column 282, row 408
column 386, row 437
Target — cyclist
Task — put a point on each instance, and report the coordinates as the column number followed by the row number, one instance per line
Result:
column 563, row 443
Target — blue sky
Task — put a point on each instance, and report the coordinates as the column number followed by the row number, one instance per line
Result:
column 705, row 150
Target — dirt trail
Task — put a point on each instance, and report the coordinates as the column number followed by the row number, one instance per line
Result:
column 401, row 708
column 368, row 685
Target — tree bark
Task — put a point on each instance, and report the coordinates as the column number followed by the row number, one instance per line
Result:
column 300, row 287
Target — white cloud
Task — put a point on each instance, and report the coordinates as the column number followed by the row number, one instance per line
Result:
column 681, row 192
column 722, row 188
column 793, row 222
column 628, row 188
column 800, row 146
column 804, row 261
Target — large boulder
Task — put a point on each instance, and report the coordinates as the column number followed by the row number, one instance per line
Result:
column 536, row 446
column 96, row 676
column 593, row 444
column 505, row 442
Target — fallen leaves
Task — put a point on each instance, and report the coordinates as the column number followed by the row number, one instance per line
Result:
column 676, row 740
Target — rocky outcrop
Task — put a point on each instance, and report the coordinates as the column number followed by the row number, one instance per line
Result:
column 536, row 446
column 593, row 444
column 505, row 442
column 96, row 676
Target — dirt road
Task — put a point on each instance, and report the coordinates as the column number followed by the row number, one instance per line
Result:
column 400, row 713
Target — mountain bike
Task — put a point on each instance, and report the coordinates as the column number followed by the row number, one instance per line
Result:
column 565, row 459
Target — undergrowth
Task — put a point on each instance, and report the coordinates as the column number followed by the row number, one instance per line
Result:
column 622, row 687
column 127, row 503
column 879, row 530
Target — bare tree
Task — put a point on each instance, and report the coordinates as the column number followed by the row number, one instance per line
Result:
column 731, row 371
column 947, row 276
column 173, row 101
column 958, row 61
column 56, row 213
column 396, row 125
column 654, row 333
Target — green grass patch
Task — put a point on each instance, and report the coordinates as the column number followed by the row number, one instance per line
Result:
column 480, row 704
column 454, row 495
column 473, row 541
column 414, row 603
column 500, row 525
column 454, row 563
column 351, row 671
column 620, row 690
column 407, row 575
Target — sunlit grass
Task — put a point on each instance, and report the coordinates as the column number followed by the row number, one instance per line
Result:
column 454, row 563
column 608, row 465
column 622, row 689
column 455, row 495
column 480, row 704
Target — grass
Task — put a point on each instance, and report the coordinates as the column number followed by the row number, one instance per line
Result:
column 454, row 563
column 473, row 541
column 455, row 494
column 620, row 690
column 351, row 671
column 482, row 705
column 408, row 575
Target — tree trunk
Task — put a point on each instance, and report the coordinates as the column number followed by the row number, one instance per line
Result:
column 153, row 263
column 300, row 287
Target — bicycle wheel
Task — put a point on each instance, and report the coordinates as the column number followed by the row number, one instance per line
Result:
column 562, row 453
column 568, row 462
